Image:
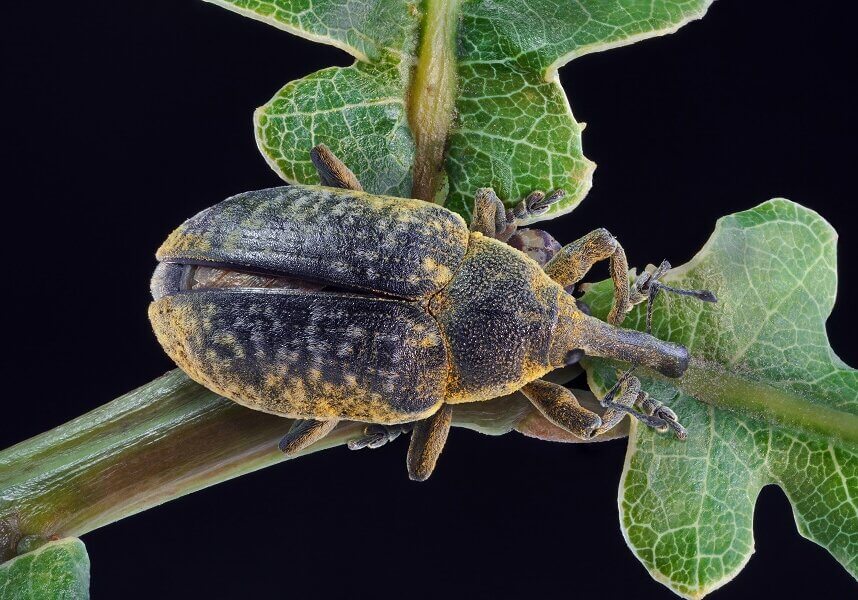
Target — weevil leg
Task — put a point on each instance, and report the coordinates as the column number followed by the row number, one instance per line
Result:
column 376, row 436
column 622, row 396
column 533, row 205
column 648, row 285
column 492, row 219
column 655, row 408
column 305, row 432
column 560, row 406
column 427, row 441
column 574, row 260
column 332, row 171
column 489, row 216
column 625, row 394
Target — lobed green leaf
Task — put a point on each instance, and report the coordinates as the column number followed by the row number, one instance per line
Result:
column 447, row 96
column 765, row 401
column 58, row 570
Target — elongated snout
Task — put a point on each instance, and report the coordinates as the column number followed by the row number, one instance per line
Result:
column 635, row 347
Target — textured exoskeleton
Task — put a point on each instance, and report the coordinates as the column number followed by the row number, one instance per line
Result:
column 324, row 304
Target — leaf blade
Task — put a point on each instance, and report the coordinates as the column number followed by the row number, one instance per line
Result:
column 766, row 401
column 511, row 125
column 358, row 111
column 57, row 570
column 363, row 28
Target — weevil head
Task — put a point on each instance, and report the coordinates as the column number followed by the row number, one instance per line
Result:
column 577, row 332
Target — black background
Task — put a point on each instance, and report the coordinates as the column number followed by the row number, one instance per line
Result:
column 121, row 119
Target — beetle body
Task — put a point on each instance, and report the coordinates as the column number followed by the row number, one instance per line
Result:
column 383, row 309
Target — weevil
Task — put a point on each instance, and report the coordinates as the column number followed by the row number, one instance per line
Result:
column 326, row 303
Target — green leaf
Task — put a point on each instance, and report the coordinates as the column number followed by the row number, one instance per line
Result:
column 447, row 95
column 765, row 401
column 55, row 571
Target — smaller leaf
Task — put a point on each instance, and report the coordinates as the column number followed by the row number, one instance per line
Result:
column 57, row 570
column 447, row 96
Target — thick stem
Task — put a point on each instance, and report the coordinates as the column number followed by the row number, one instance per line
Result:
column 163, row 440
column 432, row 95
column 713, row 385
column 166, row 439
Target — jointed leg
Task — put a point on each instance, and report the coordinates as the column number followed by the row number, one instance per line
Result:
column 332, row 171
column 574, row 260
column 533, row 205
column 560, row 406
column 627, row 393
column 305, row 432
column 489, row 216
column 376, row 436
column 620, row 399
column 427, row 442
column 648, row 285
column 492, row 219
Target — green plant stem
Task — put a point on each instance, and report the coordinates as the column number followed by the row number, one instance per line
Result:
column 432, row 95
column 166, row 439
column 163, row 440
column 712, row 385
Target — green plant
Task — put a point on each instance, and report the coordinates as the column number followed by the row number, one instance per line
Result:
column 767, row 398
column 500, row 107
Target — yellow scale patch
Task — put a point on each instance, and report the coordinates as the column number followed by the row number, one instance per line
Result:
column 179, row 242
column 288, row 389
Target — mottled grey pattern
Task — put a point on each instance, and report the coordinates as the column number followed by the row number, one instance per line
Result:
column 404, row 248
column 316, row 354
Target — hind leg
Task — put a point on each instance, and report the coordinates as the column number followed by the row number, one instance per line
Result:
column 304, row 433
column 427, row 441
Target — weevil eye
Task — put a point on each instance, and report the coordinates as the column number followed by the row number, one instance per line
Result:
column 573, row 356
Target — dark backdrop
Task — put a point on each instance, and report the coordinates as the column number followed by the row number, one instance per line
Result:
column 121, row 119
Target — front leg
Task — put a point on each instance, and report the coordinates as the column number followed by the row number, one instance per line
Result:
column 494, row 220
column 574, row 260
column 559, row 405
